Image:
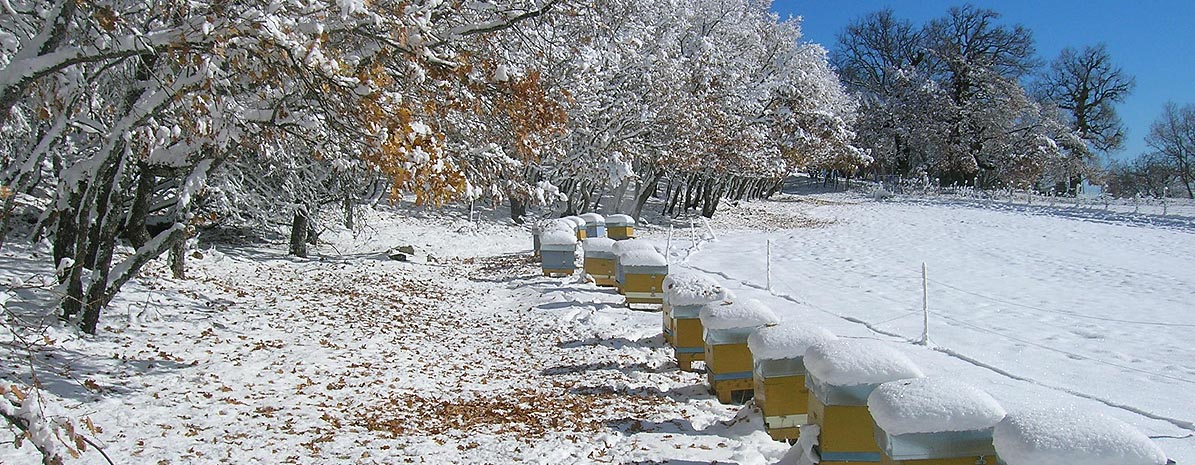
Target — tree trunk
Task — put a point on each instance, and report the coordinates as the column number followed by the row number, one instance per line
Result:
column 518, row 209
column 741, row 186
column 586, row 194
column 711, row 195
column 775, row 188
column 6, row 216
column 102, row 241
column 569, row 204
column 648, row 191
column 134, row 228
column 178, row 259
column 619, row 193
column 298, row 232
column 347, row 205
column 677, row 194
column 692, row 192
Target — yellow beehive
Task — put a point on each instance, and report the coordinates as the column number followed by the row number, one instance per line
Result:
column 578, row 226
column 777, row 398
column 846, row 432
column 621, row 248
column 684, row 295
column 643, row 273
column 601, row 270
column 779, row 375
column 728, row 361
column 986, row 459
column 619, row 227
column 934, row 421
column 688, row 340
column 1058, row 434
column 644, row 286
column 840, row 374
column 599, row 260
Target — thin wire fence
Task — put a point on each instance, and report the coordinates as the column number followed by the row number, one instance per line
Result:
column 784, row 281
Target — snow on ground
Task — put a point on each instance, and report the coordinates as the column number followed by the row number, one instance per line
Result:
column 467, row 355
column 464, row 355
column 1037, row 306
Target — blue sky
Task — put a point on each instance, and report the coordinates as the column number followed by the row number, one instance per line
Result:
column 1152, row 40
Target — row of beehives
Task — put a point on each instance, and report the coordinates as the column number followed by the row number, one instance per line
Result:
column 856, row 401
column 635, row 268
column 863, row 401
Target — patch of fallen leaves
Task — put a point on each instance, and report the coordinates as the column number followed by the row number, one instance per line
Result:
column 510, row 264
column 756, row 216
column 527, row 413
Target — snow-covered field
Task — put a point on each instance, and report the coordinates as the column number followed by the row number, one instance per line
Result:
column 467, row 355
column 1036, row 305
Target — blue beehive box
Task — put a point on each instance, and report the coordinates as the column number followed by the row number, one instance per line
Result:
column 558, row 252
column 595, row 225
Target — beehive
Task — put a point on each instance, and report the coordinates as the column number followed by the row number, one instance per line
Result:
column 778, row 375
column 595, row 225
column 621, row 248
column 578, row 226
column 728, row 361
column 599, row 260
column 840, row 374
column 934, row 421
column 1069, row 435
column 689, row 291
column 643, row 273
column 558, row 249
column 619, row 227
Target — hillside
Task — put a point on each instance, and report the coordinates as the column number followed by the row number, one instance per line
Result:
column 466, row 355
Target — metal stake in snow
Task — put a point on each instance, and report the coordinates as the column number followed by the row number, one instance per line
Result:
column 1165, row 193
column 668, row 245
column 769, row 260
column 709, row 228
column 925, row 303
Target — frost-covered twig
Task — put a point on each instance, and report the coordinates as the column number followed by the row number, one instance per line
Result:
column 56, row 439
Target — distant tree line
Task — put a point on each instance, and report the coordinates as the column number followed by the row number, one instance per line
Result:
column 963, row 99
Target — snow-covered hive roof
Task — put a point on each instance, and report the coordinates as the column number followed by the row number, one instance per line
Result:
column 688, row 288
column 621, row 247
column 932, row 405
column 593, row 218
column 734, row 314
column 576, row 221
column 555, row 224
column 620, row 219
column 598, row 244
column 642, row 257
column 854, row 362
column 558, row 237
column 786, row 340
column 1070, row 436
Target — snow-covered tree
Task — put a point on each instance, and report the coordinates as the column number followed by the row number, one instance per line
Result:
column 945, row 101
column 1172, row 136
column 1087, row 85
